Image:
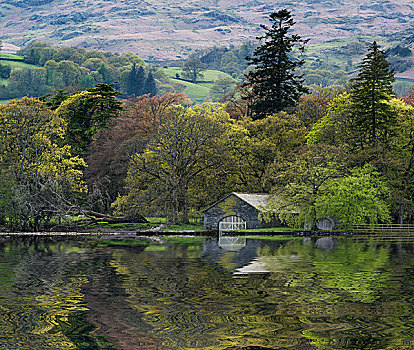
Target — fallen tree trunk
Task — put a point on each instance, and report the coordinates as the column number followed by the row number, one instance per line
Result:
column 95, row 216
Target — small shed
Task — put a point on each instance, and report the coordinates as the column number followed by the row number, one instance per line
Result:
column 236, row 211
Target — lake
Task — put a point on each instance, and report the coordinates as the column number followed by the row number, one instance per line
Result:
column 196, row 293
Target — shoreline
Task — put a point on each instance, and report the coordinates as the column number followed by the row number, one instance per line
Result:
column 156, row 233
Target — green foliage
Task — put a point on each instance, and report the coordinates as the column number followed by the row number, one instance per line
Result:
column 186, row 145
column 359, row 198
column 312, row 107
column 401, row 172
column 135, row 81
column 41, row 175
column 87, row 112
column 231, row 60
column 274, row 84
column 334, row 128
column 5, row 71
column 26, row 81
column 263, row 141
column 66, row 68
column 192, row 69
column 150, row 87
column 222, row 87
column 318, row 78
column 299, row 180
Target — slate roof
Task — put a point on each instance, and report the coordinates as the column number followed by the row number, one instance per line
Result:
column 256, row 200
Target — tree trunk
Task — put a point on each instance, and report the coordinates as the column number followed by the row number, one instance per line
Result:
column 114, row 219
column 185, row 206
column 404, row 185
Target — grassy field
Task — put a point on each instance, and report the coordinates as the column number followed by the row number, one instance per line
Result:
column 208, row 74
column 18, row 65
column 11, row 56
column 197, row 92
column 3, row 102
column 14, row 64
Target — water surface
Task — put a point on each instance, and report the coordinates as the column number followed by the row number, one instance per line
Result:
column 235, row 293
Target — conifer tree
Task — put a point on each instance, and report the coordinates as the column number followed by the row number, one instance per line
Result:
column 139, row 81
column 372, row 116
column 131, row 80
column 150, row 87
column 136, row 80
column 274, row 83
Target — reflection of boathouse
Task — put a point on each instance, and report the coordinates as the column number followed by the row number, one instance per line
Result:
column 236, row 212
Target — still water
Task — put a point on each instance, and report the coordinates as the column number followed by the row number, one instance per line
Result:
column 194, row 293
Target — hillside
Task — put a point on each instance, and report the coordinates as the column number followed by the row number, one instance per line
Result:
column 159, row 30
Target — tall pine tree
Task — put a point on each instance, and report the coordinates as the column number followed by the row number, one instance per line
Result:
column 370, row 91
column 150, row 87
column 274, row 83
column 131, row 80
column 135, row 81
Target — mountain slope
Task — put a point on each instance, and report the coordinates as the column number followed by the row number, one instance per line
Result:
column 161, row 30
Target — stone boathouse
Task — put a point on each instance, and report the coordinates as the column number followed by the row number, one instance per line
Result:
column 240, row 211
column 236, row 211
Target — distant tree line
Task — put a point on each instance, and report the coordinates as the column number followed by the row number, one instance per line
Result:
column 75, row 69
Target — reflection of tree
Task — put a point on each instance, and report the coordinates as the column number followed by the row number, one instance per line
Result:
column 336, row 294
column 188, row 304
column 351, row 271
column 60, row 295
column 40, row 292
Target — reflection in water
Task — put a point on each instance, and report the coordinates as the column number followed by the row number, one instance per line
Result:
column 295, row 294
column 231, row 243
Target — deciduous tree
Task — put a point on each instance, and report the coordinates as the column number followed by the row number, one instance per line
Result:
column 186, row 145
column 126, row 135
column 40, row 174
column 192, row 69
column 299, row 179
column 254, row 145
column 221, row 87
column 359, row 198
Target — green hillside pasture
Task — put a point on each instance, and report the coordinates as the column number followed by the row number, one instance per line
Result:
column 18, row 65
column 10, row 56
column 197, row 92
column 210, row 75
column 4, row 102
